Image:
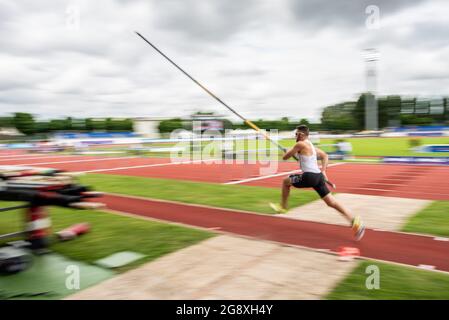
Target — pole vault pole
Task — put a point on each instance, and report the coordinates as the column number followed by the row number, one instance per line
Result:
column 248, row 122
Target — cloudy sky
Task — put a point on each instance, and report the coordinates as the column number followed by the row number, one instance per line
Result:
column 266, row 58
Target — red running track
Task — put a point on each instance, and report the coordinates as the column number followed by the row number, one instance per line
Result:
column 7, row 153
column 406, row 181
column 383, row 245
column 418, row 182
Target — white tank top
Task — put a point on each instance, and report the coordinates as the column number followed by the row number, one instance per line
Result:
column 309, row 163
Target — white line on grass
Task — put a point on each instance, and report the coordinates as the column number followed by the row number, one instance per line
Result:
column 426, row 267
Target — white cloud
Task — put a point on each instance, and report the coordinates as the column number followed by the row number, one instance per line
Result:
column 268, row 59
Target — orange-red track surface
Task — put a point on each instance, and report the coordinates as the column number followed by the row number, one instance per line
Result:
column 402, row 248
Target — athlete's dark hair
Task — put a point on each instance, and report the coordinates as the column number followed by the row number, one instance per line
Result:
column 303, row 128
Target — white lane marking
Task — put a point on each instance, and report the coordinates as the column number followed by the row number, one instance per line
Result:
column 395, row 179
column 148, row 165
column 386, row 184
column 441, row 239
column 362, row 160
column 373, row 189
column 75, row 161
column 34, row 157
column 263, row 177
column 276, row 175
column 4, row 155
column 426, row 267
column 11, row 155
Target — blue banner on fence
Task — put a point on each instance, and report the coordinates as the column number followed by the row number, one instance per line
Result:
column 417, row 160
column 420, row 128
column 90, row 135
column 434, row 148
column 19, row 145
column 425, row 134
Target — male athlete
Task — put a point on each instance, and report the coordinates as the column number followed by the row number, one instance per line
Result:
column 313, row 177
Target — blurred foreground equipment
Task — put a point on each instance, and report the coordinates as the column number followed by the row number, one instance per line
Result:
column 13, row 259
column 38, row 188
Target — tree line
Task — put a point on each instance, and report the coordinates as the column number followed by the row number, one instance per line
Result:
column 284, row 124
column 28, row 125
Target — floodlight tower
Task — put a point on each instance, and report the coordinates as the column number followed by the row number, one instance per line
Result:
column 371, row 112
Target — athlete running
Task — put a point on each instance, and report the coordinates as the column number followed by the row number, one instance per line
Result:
column 313, row 177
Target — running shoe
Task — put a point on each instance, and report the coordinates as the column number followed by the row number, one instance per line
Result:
column 277, row 207
column 358, row 227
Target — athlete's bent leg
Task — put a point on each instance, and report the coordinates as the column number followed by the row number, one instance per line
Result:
column 356, row 223
column 333, row 203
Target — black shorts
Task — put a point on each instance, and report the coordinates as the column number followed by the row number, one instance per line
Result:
column 310, row 180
